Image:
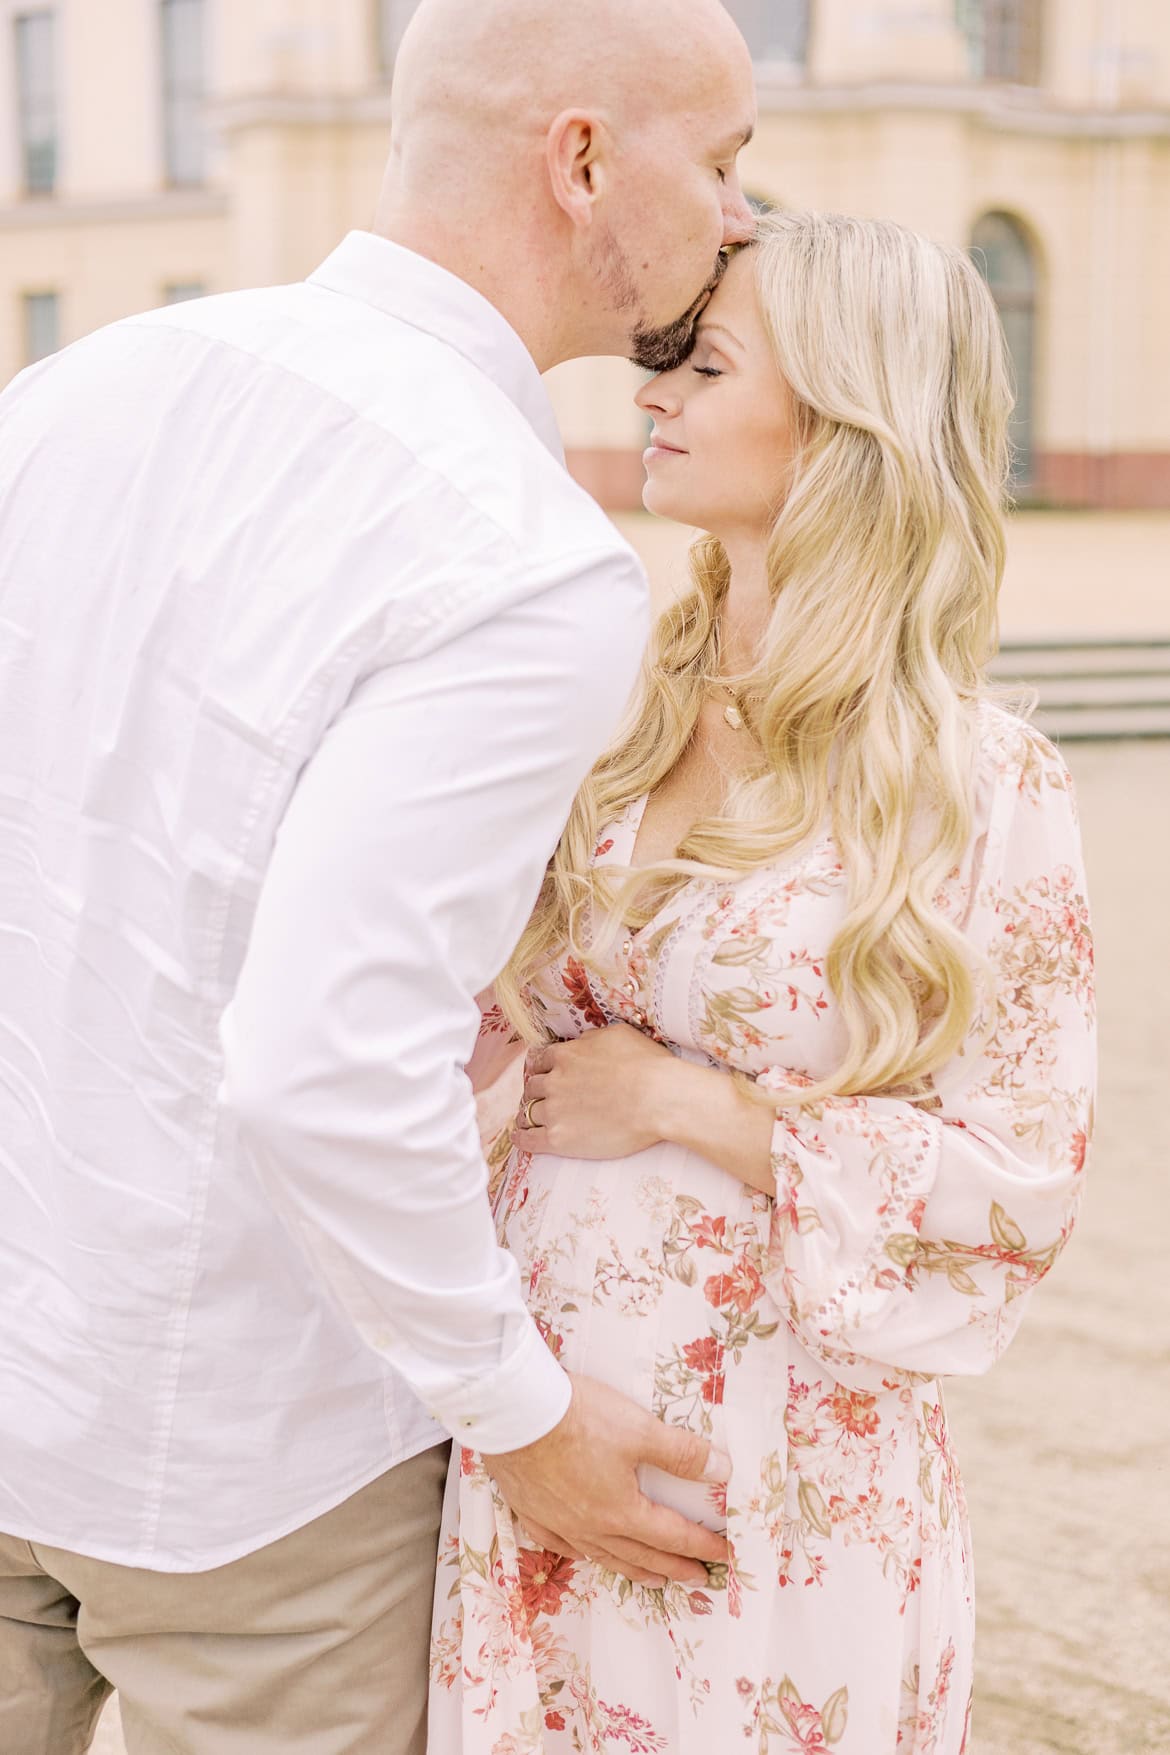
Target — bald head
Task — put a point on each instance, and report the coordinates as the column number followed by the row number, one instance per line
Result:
column 547, row 133
column 501, row 71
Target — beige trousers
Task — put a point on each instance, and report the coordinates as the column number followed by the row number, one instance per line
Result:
column 315, row 1645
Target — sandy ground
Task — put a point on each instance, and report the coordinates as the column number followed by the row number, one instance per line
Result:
column 1065, row 1445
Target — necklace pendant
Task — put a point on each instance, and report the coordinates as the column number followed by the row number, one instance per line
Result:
column 734, row 718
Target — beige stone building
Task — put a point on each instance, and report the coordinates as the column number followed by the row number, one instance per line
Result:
column 154, row 149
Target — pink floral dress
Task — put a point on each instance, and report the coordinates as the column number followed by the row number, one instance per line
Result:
column 805, row 1334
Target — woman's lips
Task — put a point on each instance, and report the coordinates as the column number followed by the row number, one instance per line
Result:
column 659, row 448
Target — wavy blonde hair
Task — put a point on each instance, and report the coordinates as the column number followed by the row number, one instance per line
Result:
column 884, row 566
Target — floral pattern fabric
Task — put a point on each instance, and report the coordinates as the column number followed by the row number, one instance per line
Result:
column 806, row 1334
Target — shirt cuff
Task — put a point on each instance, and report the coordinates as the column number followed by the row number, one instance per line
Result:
column 513, row 1406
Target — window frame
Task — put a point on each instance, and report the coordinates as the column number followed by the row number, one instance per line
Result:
column 30, row 299
column 37, row 106
column 183, row 100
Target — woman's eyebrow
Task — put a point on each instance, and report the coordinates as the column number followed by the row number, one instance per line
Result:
column 711, row 328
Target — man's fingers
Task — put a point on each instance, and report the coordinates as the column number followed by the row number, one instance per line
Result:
column 631, row 1569
column 669, row 1532
column 685, row 1454
column 537, row 1536
column 631, row 1557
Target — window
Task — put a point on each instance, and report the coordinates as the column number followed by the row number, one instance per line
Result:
column 177, row 292
column 42, row 322
column 1003, row 39
column 775, row 30
column 184, row 131
column 391, row 20
column 1007, row 262
column 37, row 99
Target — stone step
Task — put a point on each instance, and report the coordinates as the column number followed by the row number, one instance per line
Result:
column 1101, row 724
column 1082, row 658
column 1092, row 689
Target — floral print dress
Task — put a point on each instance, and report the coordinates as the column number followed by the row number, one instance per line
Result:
column 806, row 1335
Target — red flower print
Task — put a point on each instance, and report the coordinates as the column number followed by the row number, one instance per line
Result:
column 854, row 1411
column 554, row 1721
column 580, row 994
column 700, row 1604
column 711, row 1233
column 742, row 1287
column 544, row 1579
column 466, row 1462
column 705, row 1355
column 1078, row 1148
column 602, row 848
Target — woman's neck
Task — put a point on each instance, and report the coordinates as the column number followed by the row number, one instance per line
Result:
column 747, row 609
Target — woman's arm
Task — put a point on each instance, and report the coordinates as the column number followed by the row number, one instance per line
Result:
column 703, row 1109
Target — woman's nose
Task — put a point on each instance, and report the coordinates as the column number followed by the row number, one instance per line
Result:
column 658, row 396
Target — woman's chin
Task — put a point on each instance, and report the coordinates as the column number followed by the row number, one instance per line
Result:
column 663, row 504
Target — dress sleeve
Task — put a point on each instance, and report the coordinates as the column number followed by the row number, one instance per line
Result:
column 906, row 1235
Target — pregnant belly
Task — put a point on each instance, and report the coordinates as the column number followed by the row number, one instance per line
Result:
column 647, row 1273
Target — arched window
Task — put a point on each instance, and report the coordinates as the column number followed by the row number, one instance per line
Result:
column 1004, row 39
column 776, row 30
column 1007, row 262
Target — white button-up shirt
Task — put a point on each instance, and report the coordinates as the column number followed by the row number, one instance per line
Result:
column 306, row 641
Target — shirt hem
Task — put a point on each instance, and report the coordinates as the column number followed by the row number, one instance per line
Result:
column 181, row 1563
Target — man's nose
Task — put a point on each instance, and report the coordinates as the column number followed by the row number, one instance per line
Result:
column 739, row 222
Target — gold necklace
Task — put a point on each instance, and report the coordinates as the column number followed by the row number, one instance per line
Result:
column 733, row 714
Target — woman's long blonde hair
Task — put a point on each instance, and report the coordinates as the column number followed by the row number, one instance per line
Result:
column 884, row 564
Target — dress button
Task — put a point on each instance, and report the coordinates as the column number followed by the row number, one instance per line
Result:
column 639, row 1018
column 628, row 947
column 631, row 987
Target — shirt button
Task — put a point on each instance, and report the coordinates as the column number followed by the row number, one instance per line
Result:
column 467, row 1424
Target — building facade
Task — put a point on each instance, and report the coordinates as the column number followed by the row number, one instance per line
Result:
column 151, row 150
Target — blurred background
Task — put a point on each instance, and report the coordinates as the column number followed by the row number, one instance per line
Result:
column 156, row 150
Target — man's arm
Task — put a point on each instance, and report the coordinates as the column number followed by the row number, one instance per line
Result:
column 403, row 873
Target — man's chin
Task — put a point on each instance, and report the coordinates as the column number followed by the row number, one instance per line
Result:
column 664, row 349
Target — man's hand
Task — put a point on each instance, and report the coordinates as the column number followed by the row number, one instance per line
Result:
column 576, row 1490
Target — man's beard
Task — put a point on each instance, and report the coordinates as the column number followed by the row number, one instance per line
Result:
column 662, row 350
column 655, row 350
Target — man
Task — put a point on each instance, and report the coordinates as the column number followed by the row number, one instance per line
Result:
column 306, row 641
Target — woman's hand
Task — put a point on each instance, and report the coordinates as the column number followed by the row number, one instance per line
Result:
column 596, row 1097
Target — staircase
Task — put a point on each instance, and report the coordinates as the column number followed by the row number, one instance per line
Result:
column 1091, row 689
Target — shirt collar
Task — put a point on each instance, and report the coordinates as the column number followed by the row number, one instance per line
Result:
column 419, row 292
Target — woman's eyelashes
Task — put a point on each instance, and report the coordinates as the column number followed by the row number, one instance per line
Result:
column 707, row 371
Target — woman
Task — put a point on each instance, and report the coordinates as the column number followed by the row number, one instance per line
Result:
column 812, row 974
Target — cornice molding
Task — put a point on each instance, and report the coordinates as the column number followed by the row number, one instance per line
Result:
column 72, row 211
column 1000, row 109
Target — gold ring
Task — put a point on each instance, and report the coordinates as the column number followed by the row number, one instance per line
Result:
column 528, row 1108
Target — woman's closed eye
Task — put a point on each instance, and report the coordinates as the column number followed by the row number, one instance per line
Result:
column 707, row 371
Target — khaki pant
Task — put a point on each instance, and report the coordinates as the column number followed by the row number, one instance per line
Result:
column 315, row 1645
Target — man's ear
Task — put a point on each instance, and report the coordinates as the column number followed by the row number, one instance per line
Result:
column 576, row 165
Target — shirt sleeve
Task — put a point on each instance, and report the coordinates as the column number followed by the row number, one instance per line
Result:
column 906, row 1236
column 404, row 870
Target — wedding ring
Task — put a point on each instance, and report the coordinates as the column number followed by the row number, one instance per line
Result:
column 528, row 1108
